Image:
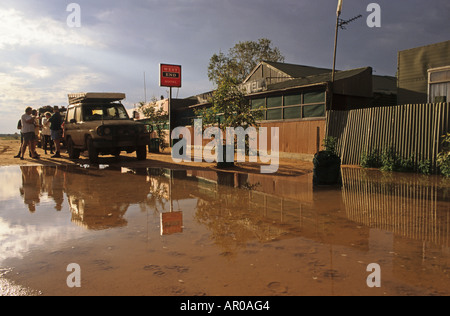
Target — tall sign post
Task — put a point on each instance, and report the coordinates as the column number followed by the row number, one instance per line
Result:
column 170, row 77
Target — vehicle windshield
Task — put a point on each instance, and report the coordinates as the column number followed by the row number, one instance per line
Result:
column 106, row 111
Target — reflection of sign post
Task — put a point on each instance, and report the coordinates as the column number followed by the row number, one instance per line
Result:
column 171, row 223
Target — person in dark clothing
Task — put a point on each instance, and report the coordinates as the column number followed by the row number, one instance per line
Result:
column 56, row 130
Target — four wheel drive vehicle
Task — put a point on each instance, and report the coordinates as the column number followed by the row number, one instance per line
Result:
column 99, row 123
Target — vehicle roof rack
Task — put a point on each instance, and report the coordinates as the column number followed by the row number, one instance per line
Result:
column 75, row 98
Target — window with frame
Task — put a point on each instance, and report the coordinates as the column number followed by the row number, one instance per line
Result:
column 439, row 85
column 78, row 116
column 289, row 106
column 70, row 115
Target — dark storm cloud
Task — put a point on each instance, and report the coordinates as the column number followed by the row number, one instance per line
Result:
column 120, row 40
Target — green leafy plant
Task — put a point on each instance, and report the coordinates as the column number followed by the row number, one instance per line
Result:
column 443, row 160
column 389, row 161
column 371, row 159
column 242, row 59
column 230, row 107
column 424, row 167
column 330, row 145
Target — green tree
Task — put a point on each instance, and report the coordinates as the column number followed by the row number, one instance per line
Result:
column 242, row 59
column 230, row 107
column 159, row 118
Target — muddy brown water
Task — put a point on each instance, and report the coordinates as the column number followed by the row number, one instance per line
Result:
column 163, row 232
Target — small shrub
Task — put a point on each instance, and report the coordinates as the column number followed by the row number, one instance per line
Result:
column 389, row 161
column 424, row 167
column 406, row 165
column 330, row 145
column 371, row 160
column 443, row 160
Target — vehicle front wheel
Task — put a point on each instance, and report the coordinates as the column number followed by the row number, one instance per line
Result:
column 141, row 153
column 92, row 151
column 71, row 150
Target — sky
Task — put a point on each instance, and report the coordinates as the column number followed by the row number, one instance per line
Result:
column 120, row 43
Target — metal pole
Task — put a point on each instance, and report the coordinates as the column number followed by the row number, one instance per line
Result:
column 333, row 73
column 335, row 47
column 170, row 117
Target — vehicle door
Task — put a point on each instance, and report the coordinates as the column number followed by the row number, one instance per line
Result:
column 73, row 125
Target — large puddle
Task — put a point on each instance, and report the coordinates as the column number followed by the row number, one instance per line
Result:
column 165, row 232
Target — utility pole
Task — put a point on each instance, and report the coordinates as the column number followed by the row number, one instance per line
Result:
column 339, row 24
column 338, row 16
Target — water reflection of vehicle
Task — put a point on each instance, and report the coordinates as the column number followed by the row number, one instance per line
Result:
column 99, row 200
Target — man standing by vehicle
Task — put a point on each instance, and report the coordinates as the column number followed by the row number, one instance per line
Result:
column 28, row 133
column 56, row 130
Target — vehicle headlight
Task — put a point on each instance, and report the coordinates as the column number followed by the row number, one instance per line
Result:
column 103, row 131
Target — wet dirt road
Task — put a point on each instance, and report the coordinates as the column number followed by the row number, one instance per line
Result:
column 164, row 232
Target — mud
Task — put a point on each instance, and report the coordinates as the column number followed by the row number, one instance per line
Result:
column 156, row 231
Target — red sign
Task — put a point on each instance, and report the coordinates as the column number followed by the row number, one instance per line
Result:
column 171, row 223
column 170, row 76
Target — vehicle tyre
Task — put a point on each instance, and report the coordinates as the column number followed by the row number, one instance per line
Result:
column 141, row 153
column 117, row 153
column 71, row 150
column 92, row 151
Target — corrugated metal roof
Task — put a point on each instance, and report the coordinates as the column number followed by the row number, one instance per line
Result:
column 298, row 71
column 385, row 84
column 291, row 70
column 316, row 79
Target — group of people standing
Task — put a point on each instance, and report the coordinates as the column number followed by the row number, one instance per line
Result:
column 30, row 125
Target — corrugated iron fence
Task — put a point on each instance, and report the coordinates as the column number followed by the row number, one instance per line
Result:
column 409, row 129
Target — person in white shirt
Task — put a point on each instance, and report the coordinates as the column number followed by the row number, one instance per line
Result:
column 28, row 127
column 46, row 132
